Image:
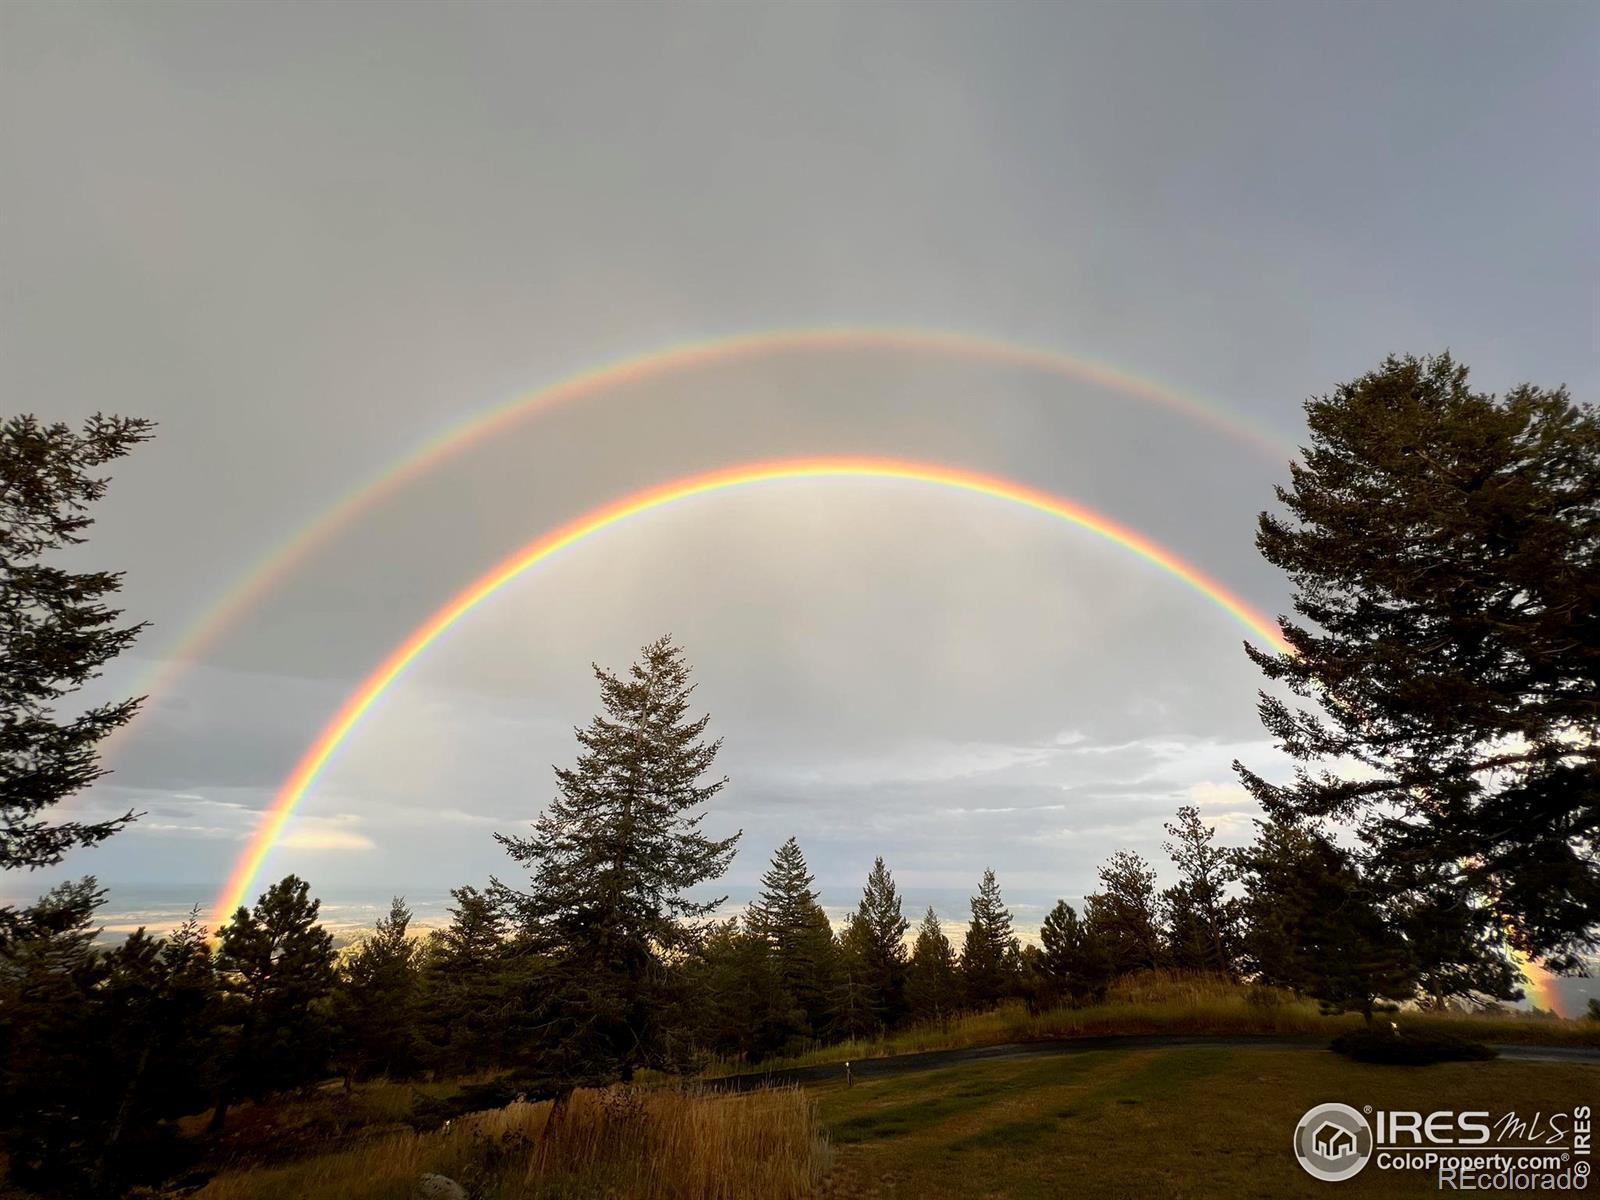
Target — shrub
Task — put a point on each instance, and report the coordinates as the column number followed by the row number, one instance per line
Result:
column 1391, row 1047
column 1262, row 998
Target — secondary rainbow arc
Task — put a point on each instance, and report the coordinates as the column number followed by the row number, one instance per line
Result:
column 656, row 364
column 367, row 693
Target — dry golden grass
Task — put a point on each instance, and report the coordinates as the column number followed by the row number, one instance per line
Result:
column 1179, row 1003
column 655, row 1143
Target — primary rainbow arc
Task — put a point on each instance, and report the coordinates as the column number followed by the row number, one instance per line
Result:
column 361, row 700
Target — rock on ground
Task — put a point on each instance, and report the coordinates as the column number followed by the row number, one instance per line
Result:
column 438, row 1187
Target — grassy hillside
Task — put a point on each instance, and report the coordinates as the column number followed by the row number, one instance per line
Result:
column 1167, row 1002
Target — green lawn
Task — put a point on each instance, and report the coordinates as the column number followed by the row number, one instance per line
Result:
column 1189, row 1122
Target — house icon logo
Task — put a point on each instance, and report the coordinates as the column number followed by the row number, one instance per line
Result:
column 1333, row 1142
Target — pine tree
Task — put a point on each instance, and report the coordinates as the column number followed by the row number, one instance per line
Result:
column 471, row 984
column 474, row 937
column 53, row 1114
column 933, row 979
column 985, row 954
column 1059, row 938
column 375, row 1002
column 98, row 1048
column 1457, row 944
column 183, row 1060
column 1075, row 959
column 788, row 917
column 1202, row 922
column 130, row 999
column 1316, row 925
column 1445, row 550
column 274, row 963
column 55, row 635
column 155, row 1044
column 611, row 860
column 1272, row 904
column 1028, row 979
column 855, row 1008
column 744, row 1010
column 1123, row 913
column 880, row 925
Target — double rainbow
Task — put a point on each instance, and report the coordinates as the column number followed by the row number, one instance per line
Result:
column 654, row 366
column 658, row 365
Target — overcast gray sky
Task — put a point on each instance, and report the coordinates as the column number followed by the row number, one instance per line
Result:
column 306, row 239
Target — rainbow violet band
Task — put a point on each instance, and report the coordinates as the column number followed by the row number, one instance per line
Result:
column 654, row 366
column 360, row 701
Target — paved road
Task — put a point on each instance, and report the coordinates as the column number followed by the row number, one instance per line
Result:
column 932, row 1060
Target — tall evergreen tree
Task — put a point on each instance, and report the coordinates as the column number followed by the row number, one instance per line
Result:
column 375, row 1002
column 1444, row 546
column 856, row 1011
column 933, row 977
column 475, row 935
column 274, row 963
column 1202, row 921
column 1272, row 904
column 988, row 950
column 787, row 916
column 1059, row 938
column 130, row 1000
column 611, row 860
column 880, row 925
column 1075, row 960
column 472, row 981
column 182, row 1064
column 56, row 633
column 1123, row 912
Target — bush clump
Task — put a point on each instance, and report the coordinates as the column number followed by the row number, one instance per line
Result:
column 429, row 1113
column 1392, row 1047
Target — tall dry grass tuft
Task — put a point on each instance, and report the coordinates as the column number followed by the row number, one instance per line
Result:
column 653, row 1143
column 1167, row 986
